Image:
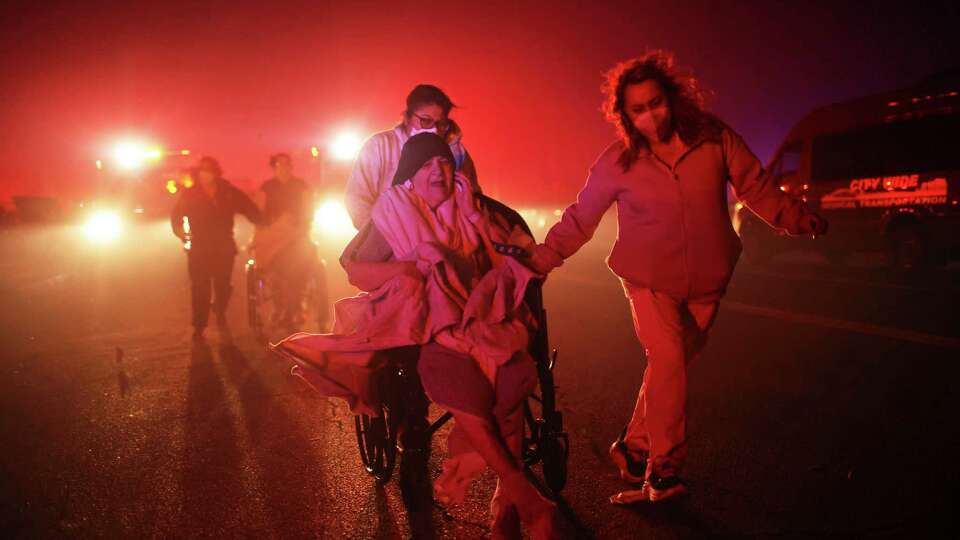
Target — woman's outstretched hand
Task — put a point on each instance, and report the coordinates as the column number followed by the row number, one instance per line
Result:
column 543, row 259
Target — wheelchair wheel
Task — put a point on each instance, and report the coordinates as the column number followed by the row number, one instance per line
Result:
column 545, row 442
column 554, row 451
column 255, row 289
column 377, row 441
column 316, row 296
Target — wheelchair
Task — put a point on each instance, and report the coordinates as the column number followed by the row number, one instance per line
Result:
column 403, row 403
column 261, row 309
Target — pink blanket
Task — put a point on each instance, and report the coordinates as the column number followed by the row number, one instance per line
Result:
column 270, row 240
column 470, row 298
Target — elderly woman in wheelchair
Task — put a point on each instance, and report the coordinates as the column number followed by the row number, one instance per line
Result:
column 434, row 280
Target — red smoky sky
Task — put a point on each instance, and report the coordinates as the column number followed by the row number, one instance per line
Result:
column 240, row 80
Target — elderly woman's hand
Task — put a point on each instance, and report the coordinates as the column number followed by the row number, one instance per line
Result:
column 463, row 191
column 543, row 259
column 464, row 181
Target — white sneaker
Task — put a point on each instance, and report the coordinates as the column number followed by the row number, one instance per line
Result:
column 655, row 489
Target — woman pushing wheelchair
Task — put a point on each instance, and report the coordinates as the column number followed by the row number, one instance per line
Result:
column 434, row 280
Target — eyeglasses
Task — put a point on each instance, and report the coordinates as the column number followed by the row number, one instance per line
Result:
column 427, row 122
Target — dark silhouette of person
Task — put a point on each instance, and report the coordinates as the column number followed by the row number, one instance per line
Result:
column 203, row 219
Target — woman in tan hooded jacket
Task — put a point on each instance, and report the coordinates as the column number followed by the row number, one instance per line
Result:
column 428, row 109
column 676, row 248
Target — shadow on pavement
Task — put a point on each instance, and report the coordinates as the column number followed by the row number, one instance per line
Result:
column 386, row 524
column 675, row 515
column 281, row 451
column 211, row 487
column 570, row 525
column 416, row 490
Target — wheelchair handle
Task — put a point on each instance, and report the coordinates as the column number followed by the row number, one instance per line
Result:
column 511, row 250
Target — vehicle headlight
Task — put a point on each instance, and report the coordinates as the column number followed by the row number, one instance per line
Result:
column 345, row 146
column 132, row 155
column 103, row 226
column 331, row 218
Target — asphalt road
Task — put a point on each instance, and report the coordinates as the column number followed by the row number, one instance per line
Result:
column 824, row 404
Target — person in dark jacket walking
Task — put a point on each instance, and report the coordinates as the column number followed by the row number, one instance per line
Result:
column 203, row 219
column 675, row 249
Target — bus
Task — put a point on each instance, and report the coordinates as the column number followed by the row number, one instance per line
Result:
column 883, row 169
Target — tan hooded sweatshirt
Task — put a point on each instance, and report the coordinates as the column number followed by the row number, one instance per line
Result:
column 675, row 234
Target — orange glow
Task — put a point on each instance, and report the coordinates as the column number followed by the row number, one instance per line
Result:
column 537, row 218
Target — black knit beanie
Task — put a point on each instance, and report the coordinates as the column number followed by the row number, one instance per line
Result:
column 418, row 150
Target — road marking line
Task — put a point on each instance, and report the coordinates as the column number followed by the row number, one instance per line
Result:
column 839, row 324
column 842, row 281
column 814, row 320
column 806, row 318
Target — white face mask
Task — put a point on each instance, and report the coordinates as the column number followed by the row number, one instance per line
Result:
column 416, row 130
column 646, row 125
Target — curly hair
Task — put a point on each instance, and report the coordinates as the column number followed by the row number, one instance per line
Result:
column 683, row 93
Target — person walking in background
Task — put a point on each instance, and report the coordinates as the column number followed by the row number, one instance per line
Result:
column 282, row 243
column 202, row 218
